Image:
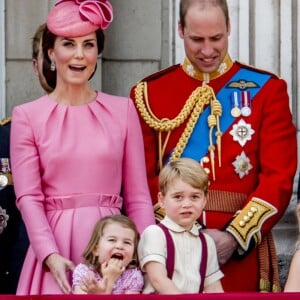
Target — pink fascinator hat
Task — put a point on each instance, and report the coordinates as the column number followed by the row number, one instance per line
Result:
column 73, row 18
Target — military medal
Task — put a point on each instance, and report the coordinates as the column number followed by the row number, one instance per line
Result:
column 3, row 181
column 242, row 132
column 4, row 165
column 242, row 165
column 235, row 110
column 3, row 219
column 4, row 171
column 246, row 104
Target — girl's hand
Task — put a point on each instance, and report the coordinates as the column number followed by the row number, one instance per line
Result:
column 92, row 286
column 112, row 269
column 59, row 266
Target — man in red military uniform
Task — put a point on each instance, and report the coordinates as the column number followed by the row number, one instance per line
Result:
column 235, row 120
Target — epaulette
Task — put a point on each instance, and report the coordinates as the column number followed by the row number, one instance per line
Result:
column 5, row 121
column 250, row 67
column 160, row 73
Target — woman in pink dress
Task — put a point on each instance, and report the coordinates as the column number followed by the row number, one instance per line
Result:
column 77, row 154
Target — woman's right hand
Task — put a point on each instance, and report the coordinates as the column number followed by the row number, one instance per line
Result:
column 59, row 266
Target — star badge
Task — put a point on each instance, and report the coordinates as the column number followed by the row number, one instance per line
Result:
column 242, row 165
column 222, row 68
column 242, row 132
column 190, row 69
column 3, row 219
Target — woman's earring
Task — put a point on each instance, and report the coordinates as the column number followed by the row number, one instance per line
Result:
column 53, row 66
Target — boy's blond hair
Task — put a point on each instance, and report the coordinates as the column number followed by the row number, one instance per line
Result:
column 186, row 169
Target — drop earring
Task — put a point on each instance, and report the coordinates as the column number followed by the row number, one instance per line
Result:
column 52, row 66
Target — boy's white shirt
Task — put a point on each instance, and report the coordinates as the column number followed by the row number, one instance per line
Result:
column 188, row 253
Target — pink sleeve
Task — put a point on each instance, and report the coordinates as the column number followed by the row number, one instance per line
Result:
column 78, row 274
column 133, row 280
column 138, row 204
column 27, row 184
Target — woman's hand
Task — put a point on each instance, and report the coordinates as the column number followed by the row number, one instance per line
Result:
column 59, row 266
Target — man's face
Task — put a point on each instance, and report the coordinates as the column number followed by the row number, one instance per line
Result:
column 205, row 37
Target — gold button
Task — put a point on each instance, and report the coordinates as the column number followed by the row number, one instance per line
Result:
column 242, row 223
column 205, row 159
column 254, row 209
column 246, row 218
column 207, row 170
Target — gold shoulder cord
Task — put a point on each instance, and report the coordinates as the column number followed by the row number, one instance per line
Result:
column 193, row 107
column 5, row 121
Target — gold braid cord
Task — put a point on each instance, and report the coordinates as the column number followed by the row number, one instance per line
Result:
column 193, row 108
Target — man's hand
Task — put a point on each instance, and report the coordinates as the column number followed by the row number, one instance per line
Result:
column 59, row 266
column 225, row 244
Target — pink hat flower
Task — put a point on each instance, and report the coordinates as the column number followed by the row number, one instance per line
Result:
column 72, row 18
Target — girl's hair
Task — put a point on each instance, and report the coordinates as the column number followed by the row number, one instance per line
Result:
column 185, row 4
column 186, row 169
column 48, row 43
column 88, row 255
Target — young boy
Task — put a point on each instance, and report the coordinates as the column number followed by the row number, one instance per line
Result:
column 176, row 256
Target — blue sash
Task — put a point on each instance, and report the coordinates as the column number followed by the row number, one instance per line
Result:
column 197, row 146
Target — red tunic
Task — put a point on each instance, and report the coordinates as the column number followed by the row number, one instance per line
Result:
column 271, row 151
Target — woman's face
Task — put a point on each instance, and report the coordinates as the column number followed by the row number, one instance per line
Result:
column 75, row 59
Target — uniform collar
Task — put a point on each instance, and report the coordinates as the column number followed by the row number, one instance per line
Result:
column 170, row 224
column 192, row 72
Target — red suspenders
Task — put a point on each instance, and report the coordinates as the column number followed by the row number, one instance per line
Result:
column 170, row 262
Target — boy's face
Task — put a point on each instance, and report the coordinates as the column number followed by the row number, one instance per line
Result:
column 182, row 203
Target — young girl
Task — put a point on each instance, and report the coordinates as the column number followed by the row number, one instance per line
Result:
column 110, row 259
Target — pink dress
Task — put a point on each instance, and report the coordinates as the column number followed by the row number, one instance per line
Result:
column 70, row 166
column 130, row 279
